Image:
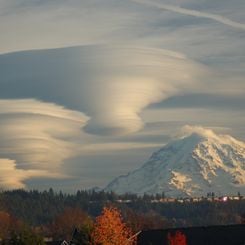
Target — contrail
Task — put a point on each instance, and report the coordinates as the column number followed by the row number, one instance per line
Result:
column 195, row 13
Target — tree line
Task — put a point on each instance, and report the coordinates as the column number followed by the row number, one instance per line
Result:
column 37, row 214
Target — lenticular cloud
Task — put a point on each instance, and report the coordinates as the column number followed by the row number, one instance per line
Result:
column 111, row 85
column 130, row 80
column 36, row 138
column 13, row 178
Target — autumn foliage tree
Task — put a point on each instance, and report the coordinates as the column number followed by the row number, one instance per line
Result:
column 177, row 239
column 13, row 231
column 65, row 223
column 109, row 229
column 7, row 222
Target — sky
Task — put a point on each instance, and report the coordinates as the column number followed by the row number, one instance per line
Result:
column 89, row 89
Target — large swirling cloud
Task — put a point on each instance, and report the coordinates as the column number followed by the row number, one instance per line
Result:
column 110, row 84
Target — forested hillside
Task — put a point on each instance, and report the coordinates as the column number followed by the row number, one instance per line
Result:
column 41, row 208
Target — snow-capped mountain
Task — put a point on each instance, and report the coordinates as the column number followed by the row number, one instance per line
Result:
column 193, row 165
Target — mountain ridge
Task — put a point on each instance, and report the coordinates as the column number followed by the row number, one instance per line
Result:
column 192, row 165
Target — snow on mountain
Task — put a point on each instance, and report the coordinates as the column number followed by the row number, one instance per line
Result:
column 192, row 165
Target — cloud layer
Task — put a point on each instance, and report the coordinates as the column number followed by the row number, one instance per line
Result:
column 194, row 13
column 36, row 138
column 13, row 178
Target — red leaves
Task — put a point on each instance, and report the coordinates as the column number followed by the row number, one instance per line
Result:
column 8, row 224
column 64, row 224
column 177, row 239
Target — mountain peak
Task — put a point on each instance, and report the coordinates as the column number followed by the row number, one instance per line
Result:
column 198, row 131
column 197, row 162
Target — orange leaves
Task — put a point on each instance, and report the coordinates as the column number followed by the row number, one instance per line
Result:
column 177, row 239
column 109, row 229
